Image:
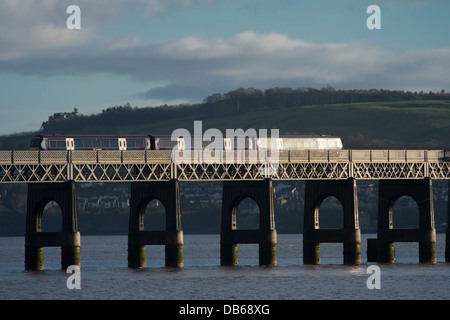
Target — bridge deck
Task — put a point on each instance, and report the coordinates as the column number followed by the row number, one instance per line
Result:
column 102, row 166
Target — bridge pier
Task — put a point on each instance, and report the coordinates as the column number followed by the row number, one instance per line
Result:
column 447, row 233
column 346, row 192
column 422, row 192
column 168, row 193
column 266, row 236
column 39, row 194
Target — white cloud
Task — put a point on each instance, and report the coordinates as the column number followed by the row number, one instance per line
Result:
column 38, row 43
column 29, row 26
column 247, row 59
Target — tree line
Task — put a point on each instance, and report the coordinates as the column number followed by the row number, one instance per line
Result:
column 239, row 100
column 242, row 99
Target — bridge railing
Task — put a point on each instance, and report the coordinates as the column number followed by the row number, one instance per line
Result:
column 220, row 156
column 145, row 165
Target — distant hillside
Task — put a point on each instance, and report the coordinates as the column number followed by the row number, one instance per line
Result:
column 363, row 118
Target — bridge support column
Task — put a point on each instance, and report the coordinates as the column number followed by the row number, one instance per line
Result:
column 346, row 192
column 266, row 236
column 422, row 192
column 168, row 193
column 447, row 233
column 39, row 194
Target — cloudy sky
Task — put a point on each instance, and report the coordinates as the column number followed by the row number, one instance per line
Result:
column 150, row 52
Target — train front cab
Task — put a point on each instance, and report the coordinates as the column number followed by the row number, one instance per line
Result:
column 36, row 142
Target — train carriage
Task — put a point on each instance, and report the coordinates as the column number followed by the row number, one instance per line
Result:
column 59, row 142
column 62, row 142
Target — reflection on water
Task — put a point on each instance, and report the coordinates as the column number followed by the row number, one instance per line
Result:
column 105, row 275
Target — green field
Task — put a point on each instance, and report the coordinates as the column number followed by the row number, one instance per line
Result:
column 422, row 124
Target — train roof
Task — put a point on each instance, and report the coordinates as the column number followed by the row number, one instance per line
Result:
column 165, row 136
column 91, row 135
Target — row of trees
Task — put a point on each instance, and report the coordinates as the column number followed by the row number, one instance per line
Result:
column 287, row 97
column 239, row 100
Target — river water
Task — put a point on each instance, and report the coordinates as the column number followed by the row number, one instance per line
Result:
column 104, row 274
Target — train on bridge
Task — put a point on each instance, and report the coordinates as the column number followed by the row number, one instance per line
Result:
column 149, row 142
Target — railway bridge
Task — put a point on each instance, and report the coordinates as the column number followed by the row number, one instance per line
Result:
column 154, row 174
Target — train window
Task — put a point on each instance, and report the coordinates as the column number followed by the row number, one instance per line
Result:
column 131, row 143
column 57, row 144
column 104, row 143
column 165, row 143
column 96, row 144
column 78, row 143
column 136, row 143
column 35, row 142
column 113, row 144
column 87, row 144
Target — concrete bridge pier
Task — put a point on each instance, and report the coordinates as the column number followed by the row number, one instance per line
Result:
column 266, row 236
column 346, row 192
column 389, row 192
column 447, row 233
column 447, row 241
column 142, row 193
column 65, row 195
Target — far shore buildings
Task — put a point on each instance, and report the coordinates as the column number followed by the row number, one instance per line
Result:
column 288, row 197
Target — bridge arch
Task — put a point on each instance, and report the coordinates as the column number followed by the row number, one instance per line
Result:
column 234, row 195
column 345, row 191
column 35, row 214
column 329, row 212
column 154, row 215
column 36, row 237
column 48, row 216
column 420, row 191
column 168, row 195
column 247, row 213
column 404, row 212
column 390, row 191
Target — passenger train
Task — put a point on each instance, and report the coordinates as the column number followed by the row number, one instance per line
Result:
column 66, row 142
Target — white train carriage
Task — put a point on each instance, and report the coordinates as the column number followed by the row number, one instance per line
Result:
column 60, row 142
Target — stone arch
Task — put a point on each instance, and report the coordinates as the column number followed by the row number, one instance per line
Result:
column 153, row 213
column 64, row 194
column 246, row 222
column 166, row 192
column 395, row 210
column 261, row 192
column 50, row 222
column 234, row 192
column 316, row 191
column 36, row 214
column 142, row 193
column 337, row 220
column 36, row 238
column 421, row 191
column 343, row 190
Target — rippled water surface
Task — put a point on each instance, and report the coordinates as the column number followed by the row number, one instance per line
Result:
column 105, row 275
